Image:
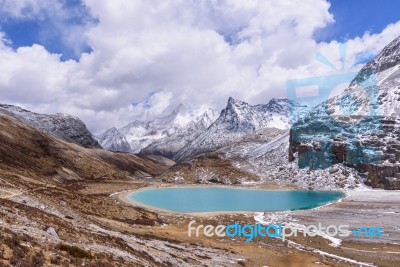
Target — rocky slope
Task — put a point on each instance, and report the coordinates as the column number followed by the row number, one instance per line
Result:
column 359, row 128
column 113, row 140
column 239, row 119
column 32, row 153
column 62, row 126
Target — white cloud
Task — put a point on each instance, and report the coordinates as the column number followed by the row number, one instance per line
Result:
column 32, row 75
column 196, row 52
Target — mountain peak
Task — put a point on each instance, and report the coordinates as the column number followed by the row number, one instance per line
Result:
column 388, row 58
column 112, row 130
column 113, row 140
column 235, row 105
column 276, row 100
column 179, row 109
column 169, row 119
column 233, row 101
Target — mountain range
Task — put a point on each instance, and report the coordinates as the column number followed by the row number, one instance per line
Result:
column 161, row 136
column 358, row 129
column 183, row 134
column 237, row 120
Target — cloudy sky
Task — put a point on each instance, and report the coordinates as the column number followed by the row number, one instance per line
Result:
column 110, row 62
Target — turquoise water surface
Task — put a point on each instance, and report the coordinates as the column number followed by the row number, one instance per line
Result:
column 212, row 199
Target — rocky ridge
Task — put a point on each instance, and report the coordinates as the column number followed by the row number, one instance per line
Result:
column 239, row 119
column 61, row 126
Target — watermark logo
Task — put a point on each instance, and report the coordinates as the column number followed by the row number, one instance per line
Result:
column 279, row 230
column 331, row 132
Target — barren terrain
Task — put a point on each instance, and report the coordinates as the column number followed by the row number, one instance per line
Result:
column 59, row 207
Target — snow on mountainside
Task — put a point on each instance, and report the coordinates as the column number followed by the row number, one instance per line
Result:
column 161, row 136
column 387, row 59
column 360, row 127
column 61, row 126
column 383, row 71
column 239, row 119
column 113, row 140
column 169, row 145
column 265, row 154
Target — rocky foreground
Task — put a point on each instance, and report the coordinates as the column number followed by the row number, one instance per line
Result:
column 82, row 224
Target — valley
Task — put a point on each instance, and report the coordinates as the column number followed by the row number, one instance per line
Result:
column 63, row 190
column 120, row 234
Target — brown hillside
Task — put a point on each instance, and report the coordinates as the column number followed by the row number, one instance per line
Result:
column 24, row 151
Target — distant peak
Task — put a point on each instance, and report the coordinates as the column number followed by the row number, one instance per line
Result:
column 278, row 100
column 283, row 101
column 180, row 108
column 112, row 129
column 235, row 102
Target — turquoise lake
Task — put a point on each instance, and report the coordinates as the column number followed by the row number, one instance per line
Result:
column 214, row 199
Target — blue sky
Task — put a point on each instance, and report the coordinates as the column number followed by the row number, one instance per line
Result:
column 355, row 17
column 49, row 29
column 352, row 18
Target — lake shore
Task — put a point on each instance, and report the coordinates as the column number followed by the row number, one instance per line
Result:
column 124, row 197
column 359, row 208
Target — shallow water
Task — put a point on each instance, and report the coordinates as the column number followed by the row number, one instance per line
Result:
column 218, row 199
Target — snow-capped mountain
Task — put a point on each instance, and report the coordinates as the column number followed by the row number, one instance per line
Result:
column 113, row 140
column 169, row 145
column 61, row 126
column 161, row 136
column 383, row 71
column 239, row 119
column 360, row 127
